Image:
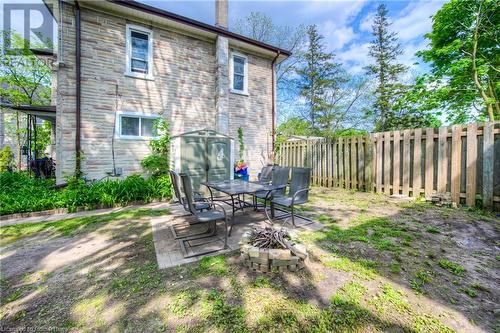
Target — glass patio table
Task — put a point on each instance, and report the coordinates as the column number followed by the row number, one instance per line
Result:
column 235, row 188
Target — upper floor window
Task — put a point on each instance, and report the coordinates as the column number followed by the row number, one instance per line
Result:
column 239, row 73
column 139, row 52
column 136, row 125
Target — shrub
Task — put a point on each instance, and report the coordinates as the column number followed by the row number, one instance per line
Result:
column 6, row 159
column 162, row 186
column 157, row 163
column 20, row 193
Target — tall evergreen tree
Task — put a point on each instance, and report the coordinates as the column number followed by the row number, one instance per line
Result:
column 385, row 49
column 318, row 74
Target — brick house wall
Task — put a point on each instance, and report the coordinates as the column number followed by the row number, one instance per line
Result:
column 182, row 91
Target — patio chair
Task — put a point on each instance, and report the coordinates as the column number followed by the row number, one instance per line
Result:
column 298, row 194
column 265, row 175
column 279, row 176
column 199, row 204
column 209, row 217
column 200, row 201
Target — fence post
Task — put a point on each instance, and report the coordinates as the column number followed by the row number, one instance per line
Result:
column 470, row 193
column 456, row 152
column 325, row 160
column 417, row 162
column 369, row 165
column 406, row 162
column 429, row 162
column 488, row 160
column 442, row 174
column 396, row 163
column 354, row 163
column 387, row 162
column 341, row 162
column 378, row 166
column 335, row 164
column 330, row 161
column 361, row 163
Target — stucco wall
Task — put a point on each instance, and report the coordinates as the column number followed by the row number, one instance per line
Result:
column 183, row 91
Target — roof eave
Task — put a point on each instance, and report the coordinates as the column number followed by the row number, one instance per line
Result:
column 199, row 25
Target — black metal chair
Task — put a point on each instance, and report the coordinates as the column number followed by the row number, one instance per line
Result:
column 210, row 217
column 279, row 176
column 298, row 194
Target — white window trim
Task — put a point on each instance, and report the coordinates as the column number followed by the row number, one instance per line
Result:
column 118, row 125
column 128, row 71
column 231, row 76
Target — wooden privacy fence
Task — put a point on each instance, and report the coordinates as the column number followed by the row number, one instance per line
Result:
column 461, row 160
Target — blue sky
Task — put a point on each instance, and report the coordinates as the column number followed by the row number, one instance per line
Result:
column 346, row 25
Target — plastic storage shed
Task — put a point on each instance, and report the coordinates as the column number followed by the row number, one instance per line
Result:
column 204, row 155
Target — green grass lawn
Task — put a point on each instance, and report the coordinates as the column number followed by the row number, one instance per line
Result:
column 377, row 266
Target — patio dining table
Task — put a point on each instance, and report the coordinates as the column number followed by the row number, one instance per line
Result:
column 235, row 188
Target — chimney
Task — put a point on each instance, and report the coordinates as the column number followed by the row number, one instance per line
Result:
column 221, row 13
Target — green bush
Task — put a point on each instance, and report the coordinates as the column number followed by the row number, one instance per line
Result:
column 155, row 164
column 6, row 159
column 21, row 193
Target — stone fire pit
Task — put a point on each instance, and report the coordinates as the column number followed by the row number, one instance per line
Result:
column 271, row 250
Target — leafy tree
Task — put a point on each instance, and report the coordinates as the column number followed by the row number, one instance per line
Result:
column 465, row 60
column 347, row 100
column 384, row 50
column 261, row 27
column 351, row 132
column 292, row 126
column 318, row 74
column 43, row 137
column 24, row 80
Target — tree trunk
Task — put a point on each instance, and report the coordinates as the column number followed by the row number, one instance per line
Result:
column 477, row 81
column 494, row 95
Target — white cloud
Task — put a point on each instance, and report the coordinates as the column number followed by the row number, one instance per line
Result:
column 337, row 29
column 342, row 10
column 411, row 23
column 355, row 58
column 336, row 37
column 408, row 58
column 366, row 23
column 415, row 19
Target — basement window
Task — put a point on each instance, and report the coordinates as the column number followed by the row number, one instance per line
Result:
column 239, row 74
column 136, row 126
column 139, row 52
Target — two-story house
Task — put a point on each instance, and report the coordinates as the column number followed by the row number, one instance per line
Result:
column 122, row 64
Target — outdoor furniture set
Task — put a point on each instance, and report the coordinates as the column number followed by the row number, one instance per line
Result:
column 270, row 188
